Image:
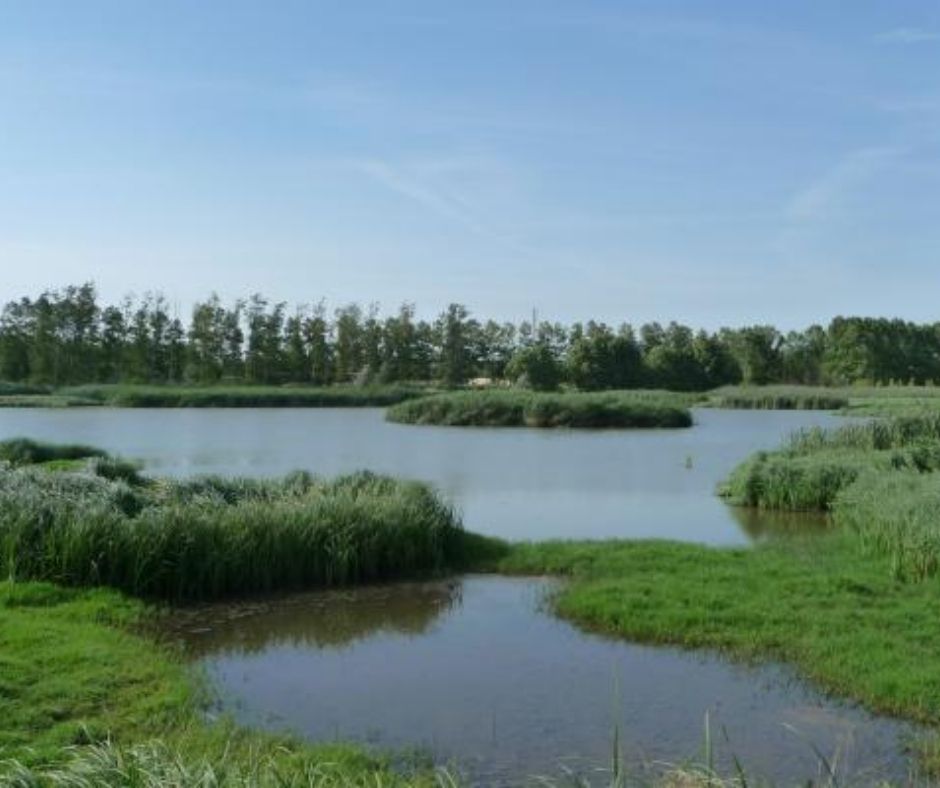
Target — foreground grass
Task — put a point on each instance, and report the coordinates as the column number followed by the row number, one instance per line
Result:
column 79, row 691
column 516, row 408
column 824, row 605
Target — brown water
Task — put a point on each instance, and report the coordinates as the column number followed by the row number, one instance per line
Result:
column 514, row 483
column 476, row 672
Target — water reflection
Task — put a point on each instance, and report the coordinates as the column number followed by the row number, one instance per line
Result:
column 323, row 619
column 763, row 524
column 478, row 672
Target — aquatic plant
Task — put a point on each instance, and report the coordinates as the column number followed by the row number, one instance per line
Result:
column 140, row 396
column 536, row 409
column 212, row 537
column 778, row 398
column 24, row 451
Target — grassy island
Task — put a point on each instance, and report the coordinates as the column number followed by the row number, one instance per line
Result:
column 534, row 409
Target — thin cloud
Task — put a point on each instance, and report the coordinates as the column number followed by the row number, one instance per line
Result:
column 908, row 35
column 835, row 186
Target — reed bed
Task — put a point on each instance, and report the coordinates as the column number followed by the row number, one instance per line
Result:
column 896, row 514
column 814, row 465
column 532, row 409
column 210, row 538
column 133, row 396
column 778, row 398
column 25, row 451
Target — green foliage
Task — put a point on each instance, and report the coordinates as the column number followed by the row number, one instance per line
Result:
column 778, row 398
column 535, row 367
column 531, row 409
column 815, row 465
column 211, row 537
column 24, row 451
column 65, row 337
column 136, row 396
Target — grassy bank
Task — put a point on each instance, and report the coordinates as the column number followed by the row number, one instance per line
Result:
column 777, row 398
column 814, row 466
column 129, row 396
column 531, row 409
column 84, row 701
column 823, row 605
column 212, row 537
column 899, row 400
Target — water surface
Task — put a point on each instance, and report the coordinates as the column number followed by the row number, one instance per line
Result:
column 476, row 672
column 514, row 483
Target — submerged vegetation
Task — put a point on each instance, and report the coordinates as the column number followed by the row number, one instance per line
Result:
column 537, row 409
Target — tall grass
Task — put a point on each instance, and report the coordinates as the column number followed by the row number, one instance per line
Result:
column 210, row 538
column 25, row 451
column 140, row 396
column 896, row 514
column 532, row 409
column 814, row 465
column 778, row 398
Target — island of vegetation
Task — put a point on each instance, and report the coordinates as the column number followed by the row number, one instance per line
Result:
column 592, row 410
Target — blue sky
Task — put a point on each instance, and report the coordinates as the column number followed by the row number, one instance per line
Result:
column 720, row 163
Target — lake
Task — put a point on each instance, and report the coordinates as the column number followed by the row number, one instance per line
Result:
column 514, row 483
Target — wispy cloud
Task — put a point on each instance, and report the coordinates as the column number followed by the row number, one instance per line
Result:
column 834, row 187
column 908, row 35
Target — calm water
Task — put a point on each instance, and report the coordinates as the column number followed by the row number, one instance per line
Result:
column 475, row 671
column 519, row 484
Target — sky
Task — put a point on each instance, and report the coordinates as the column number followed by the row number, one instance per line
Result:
column 717, row 163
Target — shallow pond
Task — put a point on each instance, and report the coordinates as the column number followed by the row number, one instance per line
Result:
column 476, row 672
column 514, row 483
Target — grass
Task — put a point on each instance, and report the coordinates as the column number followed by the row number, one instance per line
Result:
column 858, row 400
column 211, row 537
column 778, row 398
column 24, row 451
column 531, row 409
column 810, row 470
column 140, row 396
column 85, row 701
column 824, row 605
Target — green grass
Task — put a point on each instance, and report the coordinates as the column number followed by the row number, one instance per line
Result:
column 140, row 396
column 530, row 409
column 25, row 451
column 858, row 400
column 824, row 605
column 810, row 470
column 211, row 537
column 780, row 397
column 85, row 701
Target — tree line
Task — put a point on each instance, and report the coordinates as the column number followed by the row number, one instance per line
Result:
column 66, row 337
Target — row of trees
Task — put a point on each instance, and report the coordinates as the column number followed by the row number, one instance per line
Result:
column 68, row 337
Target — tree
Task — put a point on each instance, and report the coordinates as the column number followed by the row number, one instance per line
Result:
column 535, row 366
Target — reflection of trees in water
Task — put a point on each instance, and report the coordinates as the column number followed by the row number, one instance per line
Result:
column 322, row 619
column 763, row 524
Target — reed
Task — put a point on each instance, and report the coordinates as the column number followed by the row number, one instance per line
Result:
column 139, row 396
column 25, row 451
column 778, row 398
column 543, row 410
column 211, row 538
